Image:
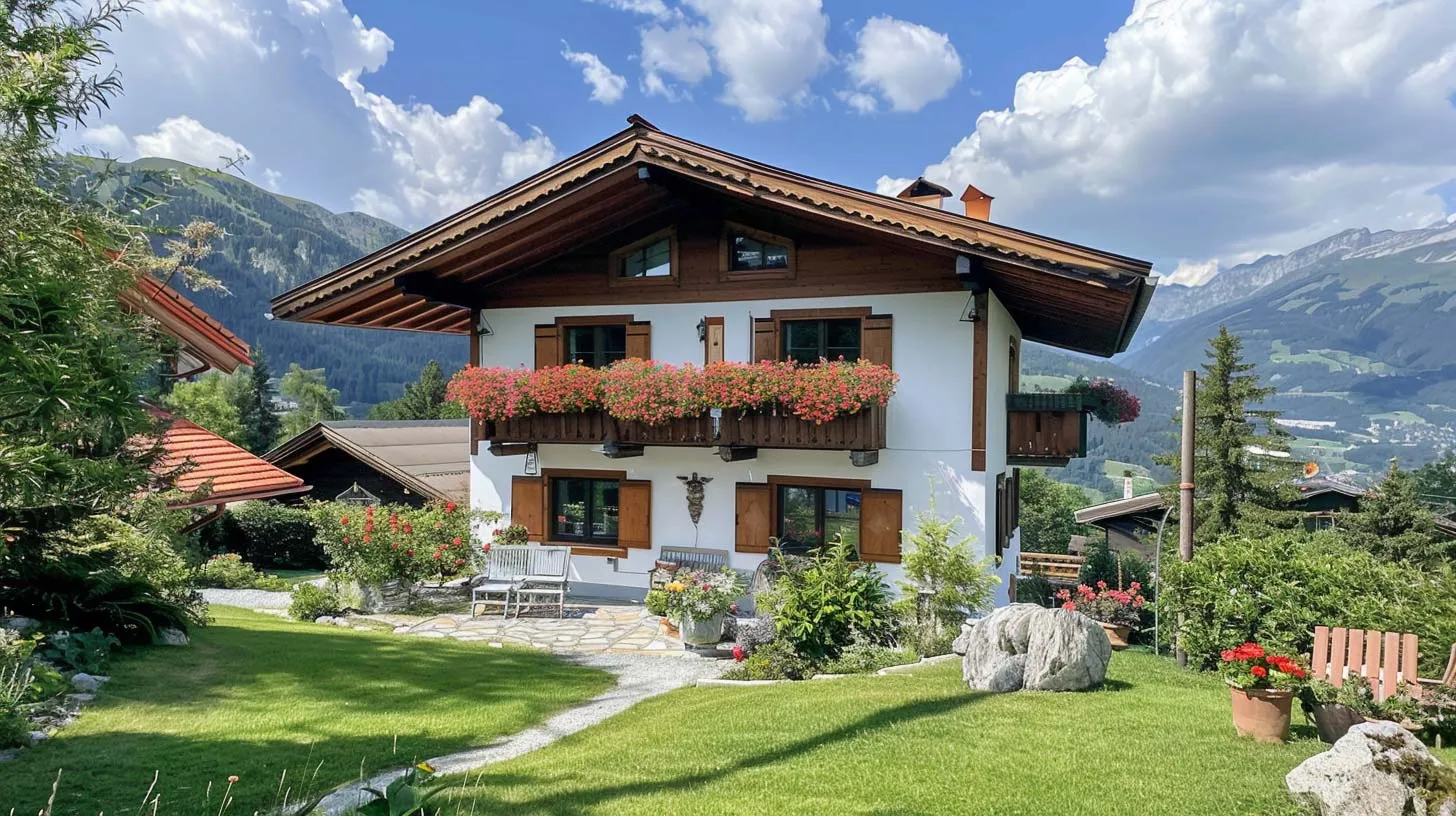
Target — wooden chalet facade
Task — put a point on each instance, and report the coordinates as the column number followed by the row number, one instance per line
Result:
column 651, row 246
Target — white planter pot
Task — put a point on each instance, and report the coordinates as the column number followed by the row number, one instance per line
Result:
column 704, row 632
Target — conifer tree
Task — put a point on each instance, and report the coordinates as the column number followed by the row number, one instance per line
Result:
column 255, row 406
column 1394, row 522
column 423, row 399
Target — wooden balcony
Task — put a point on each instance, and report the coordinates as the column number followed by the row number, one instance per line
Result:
column 864, row 431
column 1046, row 430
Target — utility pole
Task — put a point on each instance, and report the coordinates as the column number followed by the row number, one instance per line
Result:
column 1185, row 489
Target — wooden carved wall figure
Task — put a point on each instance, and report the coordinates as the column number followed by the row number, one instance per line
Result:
column 695, row 495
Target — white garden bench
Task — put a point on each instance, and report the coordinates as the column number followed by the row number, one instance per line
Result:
column 546, row 578
column 505, row 566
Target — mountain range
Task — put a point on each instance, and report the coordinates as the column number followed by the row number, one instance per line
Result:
column 1355, row 330
column 272, row 243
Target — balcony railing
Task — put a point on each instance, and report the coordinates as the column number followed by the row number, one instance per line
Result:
column 1046, row 430
column 863, row 431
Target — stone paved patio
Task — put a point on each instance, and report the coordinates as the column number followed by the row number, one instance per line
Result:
column 586, row 628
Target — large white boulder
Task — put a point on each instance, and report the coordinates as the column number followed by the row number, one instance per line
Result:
column 1024, row 646
column 1374, row 770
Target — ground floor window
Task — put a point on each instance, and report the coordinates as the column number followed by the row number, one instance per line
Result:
column 585, row 510
column 808, row 516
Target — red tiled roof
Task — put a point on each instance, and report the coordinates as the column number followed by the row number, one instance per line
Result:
column 235, row 474
column 199, row 333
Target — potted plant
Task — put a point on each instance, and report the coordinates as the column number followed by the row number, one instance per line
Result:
column 1261, row 688
column 1117, row 611
column 1336, row 709
column 1110, row 403
column 698, row 600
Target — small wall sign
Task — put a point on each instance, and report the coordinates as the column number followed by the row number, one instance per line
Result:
column 533, row 464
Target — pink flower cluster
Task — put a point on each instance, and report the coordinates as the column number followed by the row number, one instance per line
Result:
column 1115, row 606
column 1116, row 404
column 654, row 392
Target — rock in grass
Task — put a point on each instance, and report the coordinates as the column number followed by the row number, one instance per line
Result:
column 20, row 625
column 87, row 683
column 1376, row 769
column 1023, row 646
column 173, row 637
column 38, row 737
column 324, row 619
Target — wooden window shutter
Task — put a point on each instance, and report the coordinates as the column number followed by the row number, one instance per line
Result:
column 753, row 518
column 634, row 513
column 639, row 340
column 880, row 512
column 1015, row 499
column 765, row 345
column 712, row 340
column 548, row 345
column 875, row 335
column 1000, row 514
column 528, row 505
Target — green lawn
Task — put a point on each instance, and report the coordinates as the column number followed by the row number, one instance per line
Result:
column 1156, row 741
column 255, row 695
column 296, row 577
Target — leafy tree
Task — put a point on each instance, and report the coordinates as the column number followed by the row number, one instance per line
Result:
column 942, row 569
column 309, row 387
column 423, row 399
column 1396, row 525
column 71, row 359
column 1240, row 477
column 1048, row 512
column 1436, row 483
column 208, row 401
column 255, row 406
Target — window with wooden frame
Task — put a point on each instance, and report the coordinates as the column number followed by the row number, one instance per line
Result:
column 599, row 510
column 804, row 513
column 592, row 340
column 651, row 261
column 752, row 254
column 806, row 336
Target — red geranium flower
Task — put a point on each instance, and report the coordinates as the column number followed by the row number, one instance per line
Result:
column 408, row 529
column 344, row 520
column 449, row 507
column 410, row 553
column 455, row 541
column 738, row 653
column 1259, row 671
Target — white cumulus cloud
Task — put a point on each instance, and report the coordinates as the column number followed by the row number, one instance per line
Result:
column 607, row 87
column 1219, row 128
column 767, row 50
column 671, row 56
column 186, row 139
column 1193, row 273
column 108, row 139
column 907, row 64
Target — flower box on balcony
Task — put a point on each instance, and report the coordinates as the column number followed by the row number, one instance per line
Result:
column 861, row 431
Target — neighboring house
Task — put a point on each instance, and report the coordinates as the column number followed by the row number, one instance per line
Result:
column 1130, row 524
column 648, row 245
column 213, row 471
column 398, row 462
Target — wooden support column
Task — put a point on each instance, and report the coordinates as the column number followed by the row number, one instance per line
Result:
column 1185, row 490
column 474, row 361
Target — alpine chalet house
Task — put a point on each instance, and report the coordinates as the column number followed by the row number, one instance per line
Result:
column 650, row 246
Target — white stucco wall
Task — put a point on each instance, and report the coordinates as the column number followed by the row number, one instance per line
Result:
column 928, row 424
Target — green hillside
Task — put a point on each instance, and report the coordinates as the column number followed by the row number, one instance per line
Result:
column 273, row 243
column 1364, row 342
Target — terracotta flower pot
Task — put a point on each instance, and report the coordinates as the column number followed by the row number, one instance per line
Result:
column 1261, row 713
column 668, row 627
column 1116, row 635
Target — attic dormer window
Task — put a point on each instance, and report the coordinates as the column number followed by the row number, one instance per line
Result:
column 750, row 254
column 650, row 260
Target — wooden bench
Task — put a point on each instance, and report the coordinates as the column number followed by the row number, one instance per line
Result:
column 505, row 565
column 687, row 558
column 1053, row 567
column 1384, row 659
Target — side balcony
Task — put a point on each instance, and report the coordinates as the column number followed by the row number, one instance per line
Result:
column 736, row 437
column 1046, row 430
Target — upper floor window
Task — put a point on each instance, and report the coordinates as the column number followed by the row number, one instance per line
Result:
column 808, row 341
column 651, row 261
column 749, row 254
column 595, row 346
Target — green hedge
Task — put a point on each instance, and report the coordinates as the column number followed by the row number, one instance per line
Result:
column 267, row 535
column 1275, row 590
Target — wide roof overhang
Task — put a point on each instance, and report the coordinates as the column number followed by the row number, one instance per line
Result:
column 1059, row 293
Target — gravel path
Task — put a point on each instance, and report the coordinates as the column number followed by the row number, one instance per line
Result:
column 638, row 678
column 248, row 598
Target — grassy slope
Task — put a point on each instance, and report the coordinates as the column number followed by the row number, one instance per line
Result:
column 1157, row 741
column 255, row 695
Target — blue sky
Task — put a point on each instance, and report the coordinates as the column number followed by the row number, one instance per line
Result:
column 1195, row 133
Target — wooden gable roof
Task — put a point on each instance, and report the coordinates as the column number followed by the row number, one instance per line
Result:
column 1060, row 293
column 200, row 334
column 430, row 457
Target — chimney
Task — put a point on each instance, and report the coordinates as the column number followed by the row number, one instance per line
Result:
column 924, row 192
column 978, row 204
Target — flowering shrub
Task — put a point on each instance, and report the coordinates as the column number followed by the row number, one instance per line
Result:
column 1115, row 405
column 1115, row 606
column 700, row 594
column 654, row 393
column 1250, row 666
column 379, row 543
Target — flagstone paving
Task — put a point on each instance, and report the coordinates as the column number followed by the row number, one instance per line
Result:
column 585, row 629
